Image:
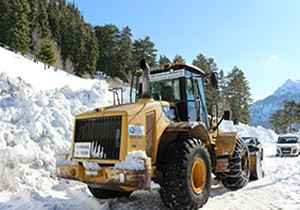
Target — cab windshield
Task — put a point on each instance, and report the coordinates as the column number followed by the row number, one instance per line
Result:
column 249, row 140
column 165, row 90
column 287, row 140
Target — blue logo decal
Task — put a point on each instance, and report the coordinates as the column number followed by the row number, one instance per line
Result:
column 131, row 130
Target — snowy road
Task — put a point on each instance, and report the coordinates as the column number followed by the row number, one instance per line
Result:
column 279, row 189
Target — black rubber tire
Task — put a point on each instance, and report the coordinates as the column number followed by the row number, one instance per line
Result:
column 180, row 158
column 239, row 167
column 105, row 194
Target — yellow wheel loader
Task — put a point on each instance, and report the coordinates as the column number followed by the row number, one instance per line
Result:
column 168, row 135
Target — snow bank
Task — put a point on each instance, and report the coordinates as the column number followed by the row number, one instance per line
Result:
column 266, row 136
column 15, row 65
column 37, row 109
column 37, row 125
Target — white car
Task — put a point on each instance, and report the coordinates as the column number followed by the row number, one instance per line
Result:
column 288, row 145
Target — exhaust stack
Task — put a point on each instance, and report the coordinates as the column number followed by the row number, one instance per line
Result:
column 145, row 79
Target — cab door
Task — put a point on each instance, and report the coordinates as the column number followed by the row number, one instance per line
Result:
column 196, row 101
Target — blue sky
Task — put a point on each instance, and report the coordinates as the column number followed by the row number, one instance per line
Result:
column 261, row 37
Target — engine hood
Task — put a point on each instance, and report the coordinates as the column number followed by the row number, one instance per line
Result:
column 123, row 109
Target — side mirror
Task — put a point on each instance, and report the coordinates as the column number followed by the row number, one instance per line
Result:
column 227, row 115
column 144, row 64
column 214, row 80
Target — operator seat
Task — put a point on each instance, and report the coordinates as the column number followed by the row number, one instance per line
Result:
column 167, row 94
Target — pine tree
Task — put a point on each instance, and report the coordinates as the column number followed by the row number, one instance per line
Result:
column 279, row 122
column 39, row 23
column 33, row 17
column 163, row 60
column 54, row 16
column 89, row 53
column 178, row 59
column 125, row 53
column 238, row 96
column 290, row 108
column 17, row 36
column 61, row 33
column 208, row 66
column 79, row 51
column 285, row 120
column 298, row 114
column 108, row 39
column 46, row 53
column 213, row 93
column 223, row 104
column 4, row 21
column 77, row 41
column 202, row 63
column 143, row 49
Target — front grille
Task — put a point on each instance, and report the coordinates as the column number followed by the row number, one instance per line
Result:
column 103, row 135
column 286, row 150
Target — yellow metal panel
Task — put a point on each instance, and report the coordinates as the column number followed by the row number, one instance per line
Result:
column 149, row 133
column 136, row 142
column 225, row 143
column 71, row 172
column 160, row 122
column 253, row 159
column 132, row 114
column 137, row 179
column 124, row 109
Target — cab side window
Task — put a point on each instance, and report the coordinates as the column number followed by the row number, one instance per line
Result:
column 191, row 105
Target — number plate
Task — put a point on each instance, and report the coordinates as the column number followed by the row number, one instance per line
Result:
column 82, row 150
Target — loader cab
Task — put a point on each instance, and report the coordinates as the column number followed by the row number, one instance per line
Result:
column 179, row 84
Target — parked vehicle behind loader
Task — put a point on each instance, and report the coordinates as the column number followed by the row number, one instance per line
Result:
column 168, row 120
column 256, row 151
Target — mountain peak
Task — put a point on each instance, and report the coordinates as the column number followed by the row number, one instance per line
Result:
column 290, row 90
column 292, row 81
column 292, row 85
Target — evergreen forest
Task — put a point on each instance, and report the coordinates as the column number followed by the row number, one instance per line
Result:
column 55, row 33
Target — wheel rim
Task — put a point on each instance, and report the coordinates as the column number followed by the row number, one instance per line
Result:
column 198, row 176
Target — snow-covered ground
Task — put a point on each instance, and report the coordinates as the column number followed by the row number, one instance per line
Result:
column 37, row 107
